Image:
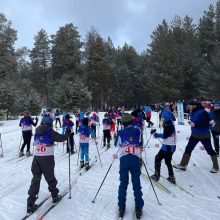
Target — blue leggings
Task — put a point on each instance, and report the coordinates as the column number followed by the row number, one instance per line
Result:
column 84, row 151
column 130, row 163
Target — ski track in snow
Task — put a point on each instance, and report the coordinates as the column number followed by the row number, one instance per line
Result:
column 16, row 178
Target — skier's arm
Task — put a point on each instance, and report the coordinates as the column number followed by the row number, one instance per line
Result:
column 59, row 137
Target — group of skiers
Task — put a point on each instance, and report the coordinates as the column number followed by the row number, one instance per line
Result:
column 128, row 137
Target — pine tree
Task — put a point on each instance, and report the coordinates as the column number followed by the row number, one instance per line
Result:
column 40, row 57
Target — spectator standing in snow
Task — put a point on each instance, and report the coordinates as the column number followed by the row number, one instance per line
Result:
column 200, row 132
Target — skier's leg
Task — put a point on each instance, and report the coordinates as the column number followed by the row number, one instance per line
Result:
column 135, row 178
column 35, row 182
column 47, row 165
column 124, row 178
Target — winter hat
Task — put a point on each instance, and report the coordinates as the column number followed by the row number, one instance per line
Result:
column 126, row 118
column 106, row 115
column 85, row 121
column 47, row 120
column 166, row 115
column 94, row 115
column 193, row 102
column 216, row 104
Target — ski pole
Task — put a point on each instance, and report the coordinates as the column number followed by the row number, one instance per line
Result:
column 147, row 142
column 19, row 147
column 93, row 201
column 78, row 157
column 151, row 183
column 1, row 155
column 98, row 153
column 68, row 147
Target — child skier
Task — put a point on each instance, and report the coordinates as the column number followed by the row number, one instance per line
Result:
column 106, row 122
column 57, row 116
column 128, row 141
column 43, row 162
column 70, row 141
column 167, row 149
column 93, row 121
column 84, row 133
column 26, row 126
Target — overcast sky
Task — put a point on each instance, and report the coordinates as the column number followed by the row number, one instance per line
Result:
column 130, row 21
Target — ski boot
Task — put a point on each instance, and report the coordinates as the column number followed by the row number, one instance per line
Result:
column 172, row 179
column 57, row 198
column 31, row 208
column 28, row 154
column 82, row 164
column 155, row 177
column 213, row 170
column 108, row 146
column 104, row 145
column 87, row 165
column 21, row 154
column 121, row 212
column 180, row 167
column 138, row 212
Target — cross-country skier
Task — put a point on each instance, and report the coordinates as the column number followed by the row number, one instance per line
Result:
column 57, row 116
column 167, row 149
column 215, row 125
column 106, row 123
column 94, row 120
column 43, row 162
column 200, row 132
column 26, row 126
column 70, row 141
column 128, row 141
column 84, row 134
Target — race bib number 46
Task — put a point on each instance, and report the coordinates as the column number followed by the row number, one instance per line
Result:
column 41, row 148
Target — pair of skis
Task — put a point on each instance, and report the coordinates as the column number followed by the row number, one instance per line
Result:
column 164, row 188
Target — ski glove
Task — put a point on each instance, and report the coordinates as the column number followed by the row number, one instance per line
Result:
column 153, row 131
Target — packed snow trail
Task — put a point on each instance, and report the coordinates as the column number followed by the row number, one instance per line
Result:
column 16, row 177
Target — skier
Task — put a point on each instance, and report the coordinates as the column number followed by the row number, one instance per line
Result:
column 57, row 116
column 128, row 141
column 167, row 149
column 26, row 126
column 69, row 124
column 93, row 122
column 215, row 125
column 147, row 110
column 199, row 122
column 77, row 116
column 106, row 122
column 112, row 116
column 118, row 117
column 84, row 133
column 43, row 161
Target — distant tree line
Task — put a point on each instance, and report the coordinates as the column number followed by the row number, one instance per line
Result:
column 181, row 62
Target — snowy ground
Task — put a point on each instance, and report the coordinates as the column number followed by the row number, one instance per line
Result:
column 15, row 178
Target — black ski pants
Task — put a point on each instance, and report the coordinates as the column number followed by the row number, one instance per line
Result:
column 58, row 120
column 42, row 165
column 206, row 143
column 215, row 136
column 27, row 140
column 70, row 142
column 106, row 136
column 167, row 156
